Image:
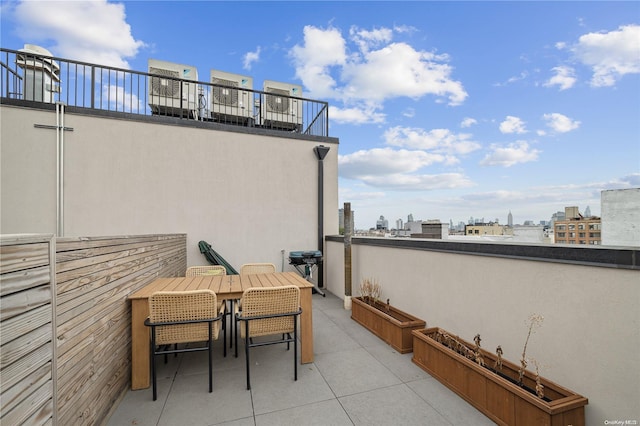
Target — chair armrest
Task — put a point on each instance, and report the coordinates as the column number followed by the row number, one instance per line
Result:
column 240, row 317
column 148, row 323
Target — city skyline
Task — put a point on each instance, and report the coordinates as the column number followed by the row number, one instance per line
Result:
column 441, row 108
column 476, row 219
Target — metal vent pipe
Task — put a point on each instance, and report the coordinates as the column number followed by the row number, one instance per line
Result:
column 321, row 152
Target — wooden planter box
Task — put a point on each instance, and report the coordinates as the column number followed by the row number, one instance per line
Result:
column 392, row 326
column 500, row 399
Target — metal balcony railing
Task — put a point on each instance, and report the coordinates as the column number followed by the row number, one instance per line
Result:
column 38, row 78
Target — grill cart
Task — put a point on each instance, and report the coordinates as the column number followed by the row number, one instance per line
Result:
column 306, row 262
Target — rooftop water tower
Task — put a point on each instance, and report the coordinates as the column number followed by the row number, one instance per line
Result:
column 41, row 77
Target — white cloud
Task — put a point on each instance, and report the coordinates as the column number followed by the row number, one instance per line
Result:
column 250, row 58
column 611, row 55
column 364, row 164
column 523, row 75
column 399, row 70
column 564, row 78
column 116, row 98
column 368, row 39
column 468, row 122
column 355, row 115
column 512, row 124
column 510, row 155
column 399, row 169
column 560, row 123
column 419, row 182
column 376, row 69
column 90, row 31
column 322, row 50
column 436, row 140
column 409, row 112
column 351, row 195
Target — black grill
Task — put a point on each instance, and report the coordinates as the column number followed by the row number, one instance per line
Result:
column 305, row 262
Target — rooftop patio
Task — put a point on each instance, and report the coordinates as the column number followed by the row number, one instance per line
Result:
column 356, row 379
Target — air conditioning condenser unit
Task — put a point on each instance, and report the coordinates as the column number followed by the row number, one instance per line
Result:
column 231, row 98
column 279, row 108
column 173, row 89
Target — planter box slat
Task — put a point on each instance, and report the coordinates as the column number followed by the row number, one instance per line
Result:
column 502, row 401
column 394, row 328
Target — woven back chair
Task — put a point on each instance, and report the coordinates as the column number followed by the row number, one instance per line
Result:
column 257, row 268
column 183, row 317
column 194, row 271
column 269, row 311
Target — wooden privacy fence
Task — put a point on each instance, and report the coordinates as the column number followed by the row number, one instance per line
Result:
column 27, row 354
column 91, row 316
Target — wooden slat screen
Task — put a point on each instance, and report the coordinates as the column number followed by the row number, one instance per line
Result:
column 94, row 276
column 27, row 360
column 79, row 287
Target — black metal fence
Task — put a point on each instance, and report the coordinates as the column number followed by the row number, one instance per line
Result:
column 38, row 78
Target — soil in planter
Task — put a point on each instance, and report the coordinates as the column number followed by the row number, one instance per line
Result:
column 515, row 382
column 391, row 312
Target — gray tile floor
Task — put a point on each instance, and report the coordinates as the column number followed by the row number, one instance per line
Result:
column 356, row 379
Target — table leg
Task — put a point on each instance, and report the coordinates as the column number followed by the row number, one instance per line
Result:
column 306, row 326
column 139, row 344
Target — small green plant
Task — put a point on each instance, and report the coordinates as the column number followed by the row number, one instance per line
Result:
column 370, row 290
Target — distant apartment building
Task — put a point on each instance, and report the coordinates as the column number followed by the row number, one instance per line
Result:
column 432, row 229
column 577, row 229
column 491, row 228
column 382, row 224
column 341, row 220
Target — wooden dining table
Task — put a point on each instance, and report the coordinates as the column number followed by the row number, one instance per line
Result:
column 226, row 287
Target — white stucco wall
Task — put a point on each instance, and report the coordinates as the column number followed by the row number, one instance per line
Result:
column 590, row 336
column 250, row 196
column 621, row 217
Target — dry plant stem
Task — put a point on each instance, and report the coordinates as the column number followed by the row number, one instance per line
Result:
column 539, row 385
column 534, row 320
column 498, row 364
column 478, row 355
column 370, row 290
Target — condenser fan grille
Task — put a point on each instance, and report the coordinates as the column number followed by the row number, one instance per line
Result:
column 166, row 84
column 277, row 100
column 227, row 95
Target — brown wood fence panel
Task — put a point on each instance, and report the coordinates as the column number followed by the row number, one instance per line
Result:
column 77, row 287
column 94, row 276
column 27, row 355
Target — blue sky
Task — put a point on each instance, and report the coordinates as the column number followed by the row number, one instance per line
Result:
column 444, row 110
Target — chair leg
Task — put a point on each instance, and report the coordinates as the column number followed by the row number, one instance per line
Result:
column 295, row 351
column 235, row 325
column 153, row 366
column 230, row 314
column 246, row 355
column 210, row 345
column 224, row 335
